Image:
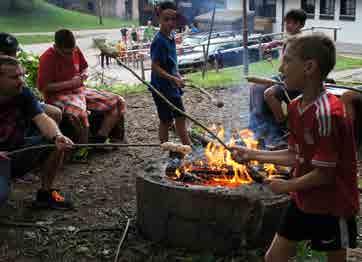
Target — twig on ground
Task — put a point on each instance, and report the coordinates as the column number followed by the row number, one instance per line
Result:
column 22, row 224
column 122, row 240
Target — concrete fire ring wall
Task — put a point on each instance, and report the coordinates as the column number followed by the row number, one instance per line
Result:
column 216, row 219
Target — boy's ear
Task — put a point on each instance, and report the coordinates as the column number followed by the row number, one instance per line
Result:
column 310, row 66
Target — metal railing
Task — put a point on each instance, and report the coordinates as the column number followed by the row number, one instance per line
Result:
column 258, row 39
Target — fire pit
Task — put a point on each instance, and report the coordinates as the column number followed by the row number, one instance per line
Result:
column 209, row 203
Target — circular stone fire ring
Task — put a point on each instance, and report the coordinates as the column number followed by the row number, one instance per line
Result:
column 216, row 219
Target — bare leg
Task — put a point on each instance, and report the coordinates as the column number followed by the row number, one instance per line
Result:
column 337, row 256
column 274, row 105
column 181, row 130
column 82, row 132
column 163, row 131
column 50, row 169
column 111, row 118
column 54, row 112
column 280, row 250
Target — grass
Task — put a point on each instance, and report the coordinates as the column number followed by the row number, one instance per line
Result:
column 49, row 18
column 234, row 75
column 34, row 39
column 123, row 89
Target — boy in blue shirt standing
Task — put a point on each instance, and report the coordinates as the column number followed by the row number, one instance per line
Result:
column 165, row 76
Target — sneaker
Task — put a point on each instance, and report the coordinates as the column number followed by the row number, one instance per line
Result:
column 52, row 199
column 81, row 155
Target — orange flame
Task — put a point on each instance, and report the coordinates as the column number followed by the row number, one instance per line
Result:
column 219, row 159
column 270, row 169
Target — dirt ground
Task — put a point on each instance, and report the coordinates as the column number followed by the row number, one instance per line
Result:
column 105, row 196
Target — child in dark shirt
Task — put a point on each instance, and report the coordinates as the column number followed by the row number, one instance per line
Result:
column 165, row 76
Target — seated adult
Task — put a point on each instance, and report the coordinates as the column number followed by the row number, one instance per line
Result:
column 18, row 106
column 9, row 46
column 268, row 112
column 62, row 70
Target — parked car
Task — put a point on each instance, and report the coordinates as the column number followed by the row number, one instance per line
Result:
column 194, row 59
column 198, row 38
column 235, row 56
column 227, row 51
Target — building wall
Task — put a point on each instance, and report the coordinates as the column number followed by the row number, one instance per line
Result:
column 349, row 32
column 234, row 4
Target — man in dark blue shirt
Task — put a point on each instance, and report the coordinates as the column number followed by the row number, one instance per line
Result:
column 165, row 76
column 17, row 107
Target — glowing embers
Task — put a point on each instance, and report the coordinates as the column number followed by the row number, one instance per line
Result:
column 215, row 166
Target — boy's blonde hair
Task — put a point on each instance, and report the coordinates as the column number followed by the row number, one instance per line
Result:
column 316, row 46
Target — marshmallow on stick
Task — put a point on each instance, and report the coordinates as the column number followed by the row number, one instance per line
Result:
column 169, row 146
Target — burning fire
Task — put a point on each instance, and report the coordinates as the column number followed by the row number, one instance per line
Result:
column 218, row 165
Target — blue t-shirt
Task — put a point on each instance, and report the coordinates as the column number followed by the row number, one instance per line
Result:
column 163, row 50
column 15, row 114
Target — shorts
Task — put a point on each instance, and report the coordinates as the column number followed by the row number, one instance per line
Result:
column 4, row 180
column 165, row 112
column 326, row 232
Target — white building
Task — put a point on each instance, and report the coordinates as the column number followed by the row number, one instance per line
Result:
column 346, row 14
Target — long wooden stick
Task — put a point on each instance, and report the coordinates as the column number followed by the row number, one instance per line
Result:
column 120, row 63
column 212, row 98
column 80, row 146
column 268, row 81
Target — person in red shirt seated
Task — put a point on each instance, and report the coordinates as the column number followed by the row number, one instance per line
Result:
column 62, row 71
column 324, row 193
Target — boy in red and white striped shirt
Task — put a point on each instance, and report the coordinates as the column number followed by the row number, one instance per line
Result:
column 325, row 198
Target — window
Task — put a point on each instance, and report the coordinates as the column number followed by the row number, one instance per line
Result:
column 265, row 8
column 327, row 9
column 309, row 7
column 348, row 10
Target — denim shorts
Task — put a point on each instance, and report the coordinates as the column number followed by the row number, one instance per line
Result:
column 4, row 180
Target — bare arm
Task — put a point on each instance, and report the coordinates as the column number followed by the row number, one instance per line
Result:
column 161, row 72
column 50, row 130
column 310, row 180
column 47, row 126
column 282, row 157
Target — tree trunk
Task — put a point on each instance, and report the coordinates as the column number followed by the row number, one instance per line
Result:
column 100, row 11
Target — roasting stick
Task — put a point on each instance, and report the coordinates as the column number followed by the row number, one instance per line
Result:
column 212, row 98
column 120, row 63
column 167, row 146
column 267, row 81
